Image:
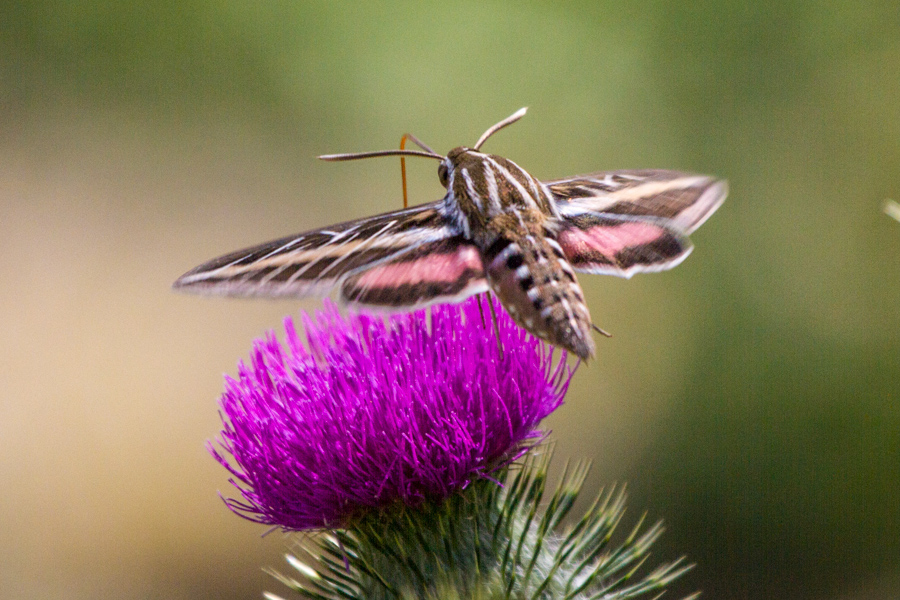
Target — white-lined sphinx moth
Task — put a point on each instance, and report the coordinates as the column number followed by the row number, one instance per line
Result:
column 497, row 228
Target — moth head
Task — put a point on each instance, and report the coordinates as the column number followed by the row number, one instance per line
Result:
column 453, row 161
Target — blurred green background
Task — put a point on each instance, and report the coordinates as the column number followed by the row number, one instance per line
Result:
column 751, row 397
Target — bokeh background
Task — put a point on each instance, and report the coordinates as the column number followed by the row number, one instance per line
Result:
column 751, row 397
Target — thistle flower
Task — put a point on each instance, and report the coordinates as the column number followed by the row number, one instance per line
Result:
column 396, row 434
column 372, row 412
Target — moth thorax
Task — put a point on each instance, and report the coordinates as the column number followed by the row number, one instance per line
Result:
column 485, row 186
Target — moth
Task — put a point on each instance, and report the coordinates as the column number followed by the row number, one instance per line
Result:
column 497, row 229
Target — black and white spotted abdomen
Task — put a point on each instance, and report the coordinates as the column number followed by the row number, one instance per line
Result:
column 538, row 288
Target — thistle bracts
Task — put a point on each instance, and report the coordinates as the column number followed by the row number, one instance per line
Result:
column 486, row 543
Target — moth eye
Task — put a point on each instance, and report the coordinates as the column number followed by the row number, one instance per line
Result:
column 442, row 174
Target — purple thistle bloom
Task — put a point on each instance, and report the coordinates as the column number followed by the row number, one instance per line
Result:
column 371, row 412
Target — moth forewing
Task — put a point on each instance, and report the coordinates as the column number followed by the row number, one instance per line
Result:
column 684, row 199
column 314, row 262
column 711, row 198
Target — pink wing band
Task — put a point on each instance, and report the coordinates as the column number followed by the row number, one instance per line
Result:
column 609, row 240
column 439, row 268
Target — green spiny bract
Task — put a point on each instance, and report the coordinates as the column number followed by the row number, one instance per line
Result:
column 486, row 543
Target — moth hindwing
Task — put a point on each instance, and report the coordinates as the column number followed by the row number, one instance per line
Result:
column 498, row 228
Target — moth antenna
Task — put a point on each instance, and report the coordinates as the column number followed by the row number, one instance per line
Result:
column 358, row 155
column 601, row 331
column 494, row 129
column 415, row 140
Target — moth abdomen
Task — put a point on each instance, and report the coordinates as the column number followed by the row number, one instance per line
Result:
column 538, row 288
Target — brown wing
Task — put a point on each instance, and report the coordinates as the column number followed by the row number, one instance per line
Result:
column 314, row 262
column 684, row 199
column 442, row 271
column 627, row 222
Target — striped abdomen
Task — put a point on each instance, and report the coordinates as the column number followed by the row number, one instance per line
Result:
column 538, row 288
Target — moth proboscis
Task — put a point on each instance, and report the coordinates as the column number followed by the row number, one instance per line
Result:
column 498, row 228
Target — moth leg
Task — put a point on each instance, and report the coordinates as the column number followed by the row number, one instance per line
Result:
column 481, row 310
column 493, row 318
column 602, row 332
column 496, row 326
